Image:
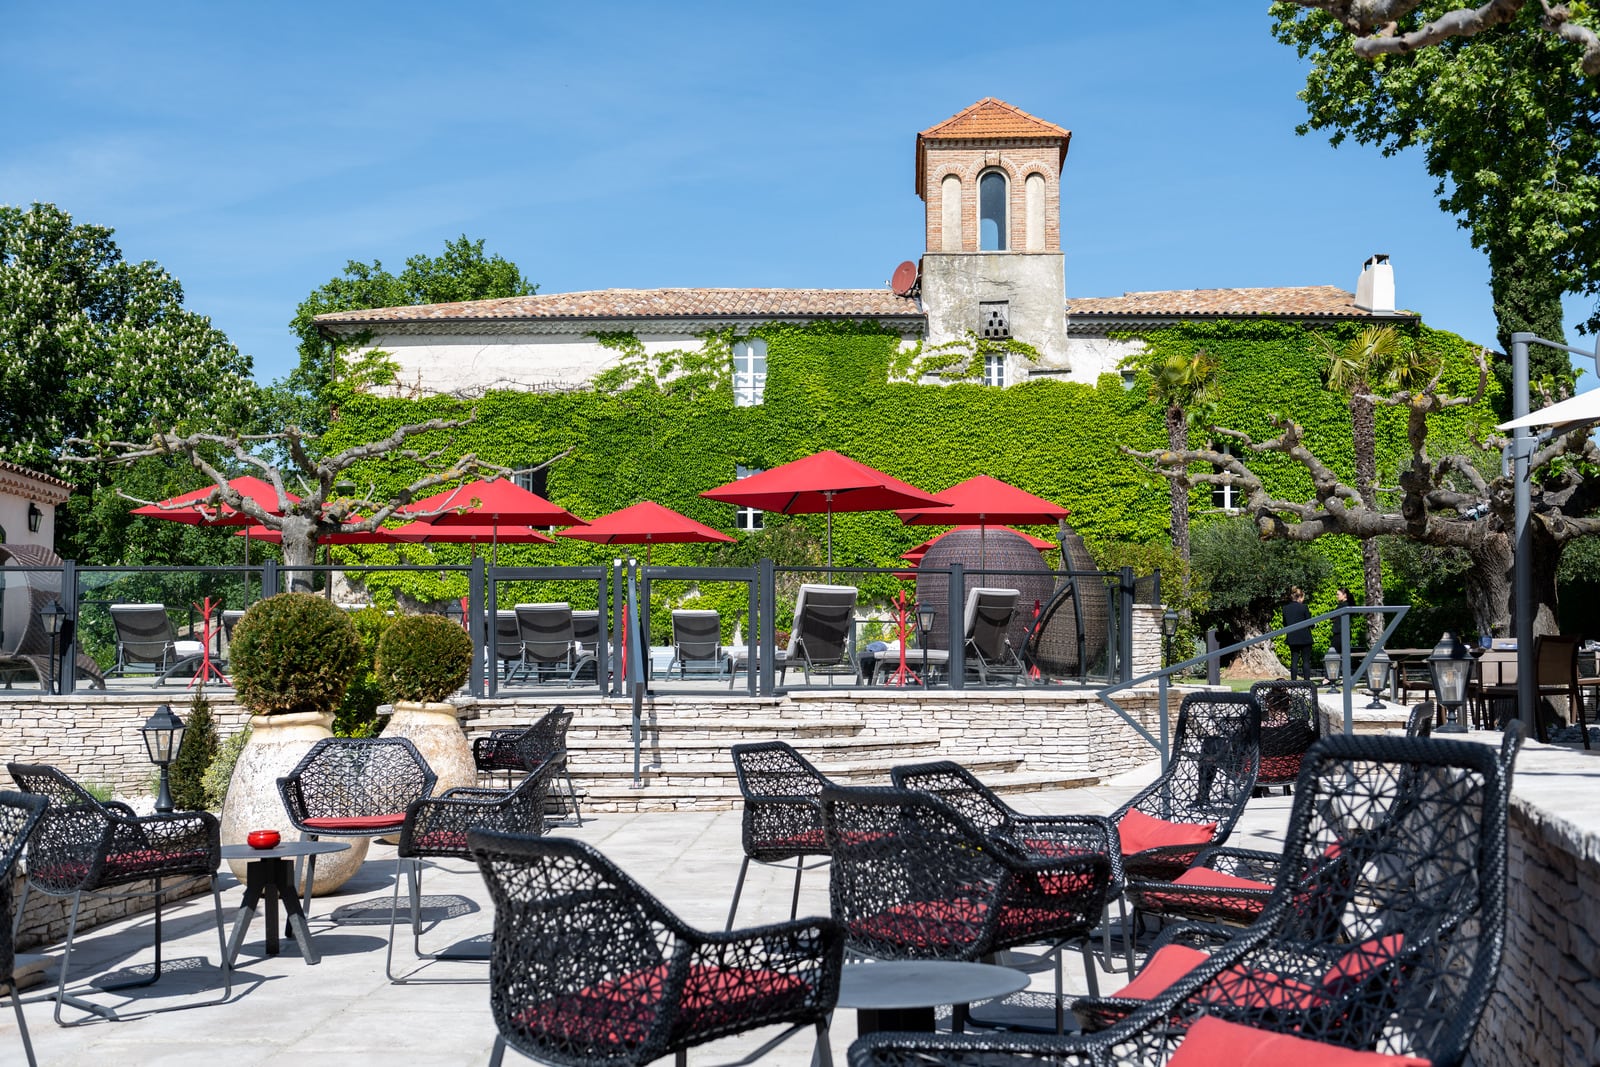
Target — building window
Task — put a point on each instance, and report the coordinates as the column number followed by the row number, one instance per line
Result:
column 1225, row 497
column 534, row 481
column 950, row 214
column 994, row 370
column 992, row 212
column 749, row 372
column 746, row 519
column 1034, row 190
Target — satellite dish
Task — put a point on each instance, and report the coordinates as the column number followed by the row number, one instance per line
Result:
column 904, row 282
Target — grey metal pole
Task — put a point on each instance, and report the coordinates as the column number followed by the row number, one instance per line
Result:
column 1522, row 571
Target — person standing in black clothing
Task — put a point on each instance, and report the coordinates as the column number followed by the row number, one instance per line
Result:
column 1299, row 640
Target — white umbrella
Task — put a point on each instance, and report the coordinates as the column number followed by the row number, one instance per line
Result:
column 1568, row 414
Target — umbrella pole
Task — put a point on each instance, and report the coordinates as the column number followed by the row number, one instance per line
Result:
column 830, row 537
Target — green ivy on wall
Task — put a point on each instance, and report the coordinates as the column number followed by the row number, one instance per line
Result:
column 664, row 427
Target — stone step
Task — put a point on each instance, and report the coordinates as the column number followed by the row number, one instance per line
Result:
column 720, row 728
column 813, row 748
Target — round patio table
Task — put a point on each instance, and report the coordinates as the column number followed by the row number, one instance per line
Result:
column 901, row 994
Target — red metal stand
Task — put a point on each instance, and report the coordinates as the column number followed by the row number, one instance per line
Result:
column 904, row 675
column 208, row 670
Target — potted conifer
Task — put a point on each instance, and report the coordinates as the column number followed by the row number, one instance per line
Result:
column 421, row 660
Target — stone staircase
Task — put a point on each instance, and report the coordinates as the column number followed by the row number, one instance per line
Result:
column 685, row 762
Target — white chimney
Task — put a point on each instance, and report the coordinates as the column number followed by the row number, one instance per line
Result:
column 1375, row 287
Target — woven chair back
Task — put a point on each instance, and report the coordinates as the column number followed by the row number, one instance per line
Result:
column 1290, row 724
column 1070, row 636
column 957, row 787
column 1212, row 768
column 19, row 814
column 354, row 777
column 1012, row 563
column 24, row 597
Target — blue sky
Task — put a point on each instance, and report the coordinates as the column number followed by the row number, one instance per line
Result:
column 253, row 150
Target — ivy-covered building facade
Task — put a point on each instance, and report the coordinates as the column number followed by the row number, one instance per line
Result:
column 974, row 362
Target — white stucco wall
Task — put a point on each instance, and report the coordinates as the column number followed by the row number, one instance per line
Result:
column 472, row 363
column 1090, row 357
column 1032, row 283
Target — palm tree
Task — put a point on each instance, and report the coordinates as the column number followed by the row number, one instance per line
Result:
column 1356, row 366
column 1185, row 384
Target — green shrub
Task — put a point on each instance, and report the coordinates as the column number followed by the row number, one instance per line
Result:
column 422, row 658
column 199, row 748
column 358, row 711
column 294, row 652
column 220, row 773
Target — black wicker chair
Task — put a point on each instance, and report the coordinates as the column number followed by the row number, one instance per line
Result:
column 353, row 787
column 1419, row 723
column 520, row 750
column 1290, row 724
column 782, row 813
column 914, row 879
column 83, row 846
column 437, row 828
column 1384, row 931
column 590, row 970
column 19, row 814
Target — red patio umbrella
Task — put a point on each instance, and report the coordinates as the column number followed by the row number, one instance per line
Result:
column 423, row 532
column 916, row 554
column 984, row 500
column 645, row 523
column 491, row 502
column 192, row 508
column 379, row 536
column 823, row 483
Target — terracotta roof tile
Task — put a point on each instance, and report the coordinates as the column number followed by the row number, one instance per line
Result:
column 991, row 118
column 47, row 479
column 648, row 304
column 1306, row 300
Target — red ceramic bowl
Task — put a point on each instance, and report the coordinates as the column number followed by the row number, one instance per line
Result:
column 262, row 839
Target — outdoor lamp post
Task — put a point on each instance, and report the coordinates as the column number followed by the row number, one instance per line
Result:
column 1169, row 630
column 1378, row 677
column 55, row 618
column 1331, row 665
column 1452, row 668
column 925, row 620
column 163, row 735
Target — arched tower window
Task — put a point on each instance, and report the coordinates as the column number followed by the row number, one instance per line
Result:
column 1034, row 188
column 992, row 212
column 950, row 214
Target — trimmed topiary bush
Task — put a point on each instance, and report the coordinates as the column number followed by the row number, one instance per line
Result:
column 293, row 652
column 422, row 659
column 199, row 748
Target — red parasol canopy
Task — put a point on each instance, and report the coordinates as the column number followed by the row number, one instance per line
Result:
column 983, row 500
column 823, row 483
column 369, row 537
column 921, row 550
column 192, row 508
column 492, row 502
column 422, row 532
column 646, row 523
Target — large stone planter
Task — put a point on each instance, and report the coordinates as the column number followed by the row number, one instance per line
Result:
column 436, row 732
column 277, row 743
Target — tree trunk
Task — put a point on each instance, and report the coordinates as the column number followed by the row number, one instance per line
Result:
column 299, row 551
column 1490, row 591
column 1178, row 440
column 1364, row 438
column 1257, row 661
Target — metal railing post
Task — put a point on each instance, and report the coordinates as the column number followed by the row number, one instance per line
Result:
column 638, row 672
column 490, row 624
column 67, row 670
column 752, row 609
column 958, row 627
column 1125, row 594
column 269, row 578
column 1213, row 661
column 618, row 633
column 767, row 578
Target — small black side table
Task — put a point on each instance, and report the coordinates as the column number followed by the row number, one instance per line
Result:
column 270, row 873
column 902, row 994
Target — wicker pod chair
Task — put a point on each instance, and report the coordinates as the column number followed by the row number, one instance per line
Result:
column 30, row 645
column 519, row 750
column 1290, row 724
column 1383, row 934
column 437, row 828
column 782, row 813
column 82, row 846
column 353, row 787
column 914, row 879
column 19, row 814
column 1069, row 638
column 590, row 970
column 1012, row 563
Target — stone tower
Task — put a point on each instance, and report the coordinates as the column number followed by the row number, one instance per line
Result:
column 990, row 177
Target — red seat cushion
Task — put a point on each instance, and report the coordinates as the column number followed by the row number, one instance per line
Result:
column 1206, row 878
column 441, row 841
column 621, row 1011
column 1363, row 961
column 357, row 824
column 1279, row 768
column 1214, row 1042
column 1237, row 986
column 956, row 923
column 1140, row 832
column 1166, row 966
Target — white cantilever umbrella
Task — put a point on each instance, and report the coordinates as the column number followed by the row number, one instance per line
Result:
column 1568, row 414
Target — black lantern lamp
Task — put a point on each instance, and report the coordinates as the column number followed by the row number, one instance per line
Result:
column 163, row 736
column 35, row 517
column 925, row 621
column 1332, row 664
column 55, row 620
column 1378, row 677
column 1169, row 630
column 1452, row 670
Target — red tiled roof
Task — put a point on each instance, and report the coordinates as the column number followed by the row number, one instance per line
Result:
column 48, row 479
column 1296, row 301
column 987, row 120
column 648, row 304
